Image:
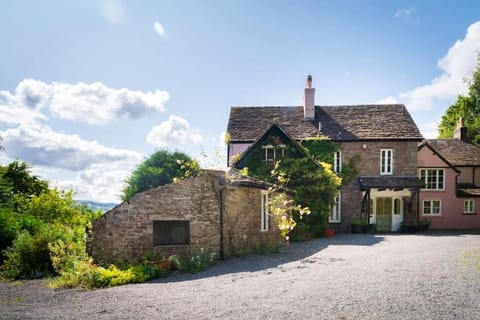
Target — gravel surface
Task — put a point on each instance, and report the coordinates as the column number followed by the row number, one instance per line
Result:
column 381, row 276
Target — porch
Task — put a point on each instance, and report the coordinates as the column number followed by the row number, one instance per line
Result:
column 390, row 201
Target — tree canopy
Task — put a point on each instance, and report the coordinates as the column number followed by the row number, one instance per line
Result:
column 467, row 107
column 161, row 168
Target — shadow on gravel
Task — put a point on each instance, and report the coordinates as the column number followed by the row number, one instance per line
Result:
column 297, row 251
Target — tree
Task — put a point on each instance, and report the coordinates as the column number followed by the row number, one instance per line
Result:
column 161, row 168
column 17, row 180
column 467, row 107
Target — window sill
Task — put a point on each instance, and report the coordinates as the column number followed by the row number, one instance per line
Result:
column 469, row 213
column 431, row 215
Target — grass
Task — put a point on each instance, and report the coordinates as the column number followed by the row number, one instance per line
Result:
column 471, row 259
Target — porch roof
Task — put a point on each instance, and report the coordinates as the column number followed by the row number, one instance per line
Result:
column 466, row 190
column 390, row 182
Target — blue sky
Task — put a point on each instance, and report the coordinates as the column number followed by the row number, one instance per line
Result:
column 89, row 88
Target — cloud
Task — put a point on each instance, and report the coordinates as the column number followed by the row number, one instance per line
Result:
column 40, row 145
column 100, row 183
column 92, row 103
column 405, row 13
column 113, row 11
column 159, row 29
column 429, row 130
column 457, row 65
column 173, row 132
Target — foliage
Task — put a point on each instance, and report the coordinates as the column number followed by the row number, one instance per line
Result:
column 87, row 275
column 16, row 180
column 310, row 178
column 466, row 106
column 29, row 256
column 159, row 169
column 198, row 261
column 9, row 228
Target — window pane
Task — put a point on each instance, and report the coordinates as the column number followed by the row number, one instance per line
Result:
column 396, row 206
column 426, row 207
column 435, row 207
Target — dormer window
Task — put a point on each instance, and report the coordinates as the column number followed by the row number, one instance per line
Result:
column 273, row 152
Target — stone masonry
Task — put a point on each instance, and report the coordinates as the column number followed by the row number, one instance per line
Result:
column 125, row 233
column 404, row 164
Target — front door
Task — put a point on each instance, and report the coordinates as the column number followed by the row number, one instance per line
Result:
column 384, row 214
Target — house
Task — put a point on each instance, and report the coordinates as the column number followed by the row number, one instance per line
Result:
column 384, row 138
column 450, row 169
column 224, row 213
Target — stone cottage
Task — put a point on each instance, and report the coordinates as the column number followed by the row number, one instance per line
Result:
column 224, row 213
column 384, row 138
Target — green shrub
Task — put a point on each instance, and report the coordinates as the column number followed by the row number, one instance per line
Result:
column 9, row 228
column 29, row 256
column 198, row 261
column 87, row 275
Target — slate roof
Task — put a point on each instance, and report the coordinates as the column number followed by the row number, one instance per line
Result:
column 339, row 123
column 456, row 152
column 390, row 182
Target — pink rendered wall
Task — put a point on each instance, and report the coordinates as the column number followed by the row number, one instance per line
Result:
column 236, row 148
column 451, row 215
column 466, row 175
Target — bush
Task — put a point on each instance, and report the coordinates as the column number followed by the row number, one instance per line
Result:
column 29, row 256
column 87, row 275
column 9, row 228
column 198, row 261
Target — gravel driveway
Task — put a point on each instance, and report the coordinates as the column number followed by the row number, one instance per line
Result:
column 344, row 277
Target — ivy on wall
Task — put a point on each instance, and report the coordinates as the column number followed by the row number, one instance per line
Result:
column 308, row 167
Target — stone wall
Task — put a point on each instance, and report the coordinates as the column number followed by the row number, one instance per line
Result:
column 243, row 222
column 125, row 233
column 404, row 164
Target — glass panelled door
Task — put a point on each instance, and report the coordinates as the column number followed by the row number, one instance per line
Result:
column 384, row 214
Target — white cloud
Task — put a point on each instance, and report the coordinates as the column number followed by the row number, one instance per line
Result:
column 159, row 29
column 92, row 103
column 99, row 183
column 113, row 11
column 456, row 66
column 388, row 100
column 173, row 132
column 405, row 13
column 429, row 130
column 40, row 145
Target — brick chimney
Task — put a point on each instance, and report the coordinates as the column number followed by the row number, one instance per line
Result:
column 309, row 100
column 460, row 132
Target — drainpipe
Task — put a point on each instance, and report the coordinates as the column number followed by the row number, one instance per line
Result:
column 222, row 249
column 417, row 194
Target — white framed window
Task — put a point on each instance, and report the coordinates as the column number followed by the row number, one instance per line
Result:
column 432, row 207
column 337, row 161
column 386, row 161
column 434, row 179
column 336, row 212
column 469, row 206
column 264, row 212
column 273, row 152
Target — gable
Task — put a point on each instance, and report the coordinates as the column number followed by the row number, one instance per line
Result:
column 273, row 136
column 428, row 157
